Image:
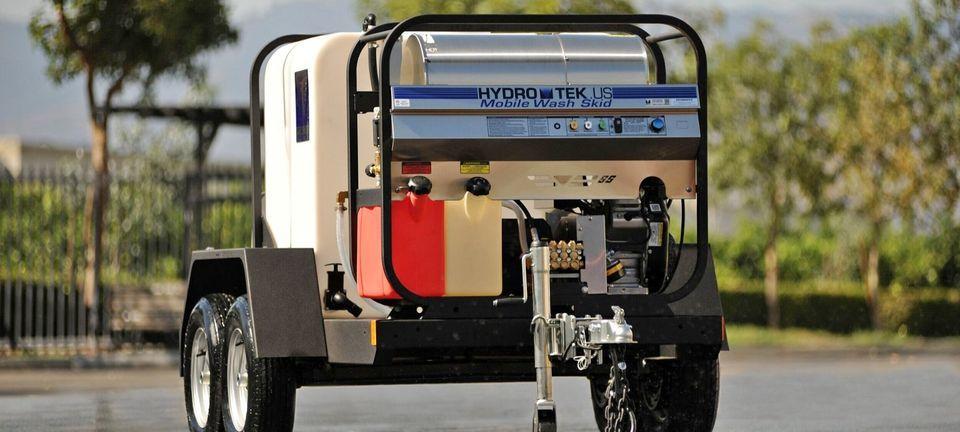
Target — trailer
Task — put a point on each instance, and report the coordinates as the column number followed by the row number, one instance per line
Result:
column 468, row 198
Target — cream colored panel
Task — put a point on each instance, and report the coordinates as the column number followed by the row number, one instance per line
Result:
column 562, row 179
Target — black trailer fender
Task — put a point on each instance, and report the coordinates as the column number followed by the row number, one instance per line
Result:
column 281, row 287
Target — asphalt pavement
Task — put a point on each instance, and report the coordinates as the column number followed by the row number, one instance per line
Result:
column 760, row 391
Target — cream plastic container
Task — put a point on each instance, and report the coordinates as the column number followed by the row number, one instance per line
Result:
column 472, row 236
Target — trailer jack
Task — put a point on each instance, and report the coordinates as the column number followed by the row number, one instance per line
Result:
column 565, row 337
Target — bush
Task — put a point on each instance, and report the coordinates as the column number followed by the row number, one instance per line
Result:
column 836, row 313
column 931, row 312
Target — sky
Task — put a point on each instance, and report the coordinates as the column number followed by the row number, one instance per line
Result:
column 36, row 110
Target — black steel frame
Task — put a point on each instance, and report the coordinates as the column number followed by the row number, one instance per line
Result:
column 364, row 101
column 389, row 34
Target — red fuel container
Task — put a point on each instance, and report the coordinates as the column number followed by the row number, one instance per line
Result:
column 418, row 248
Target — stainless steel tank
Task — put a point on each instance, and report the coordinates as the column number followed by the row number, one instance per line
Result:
column 510, row 58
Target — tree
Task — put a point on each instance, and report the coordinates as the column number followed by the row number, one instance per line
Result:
column 401, row 9
column 936, row 74
column 114, row 44
column 770, row 142
column 882, row 168
column 936, row 109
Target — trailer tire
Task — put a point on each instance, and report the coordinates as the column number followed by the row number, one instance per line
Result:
column 202, row 372
column 672, row 396
column 260, row 393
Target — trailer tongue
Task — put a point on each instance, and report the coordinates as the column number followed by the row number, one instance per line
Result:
column 568, row 338
column 507, row 189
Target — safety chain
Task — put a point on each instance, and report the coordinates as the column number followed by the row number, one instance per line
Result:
column 618, row 409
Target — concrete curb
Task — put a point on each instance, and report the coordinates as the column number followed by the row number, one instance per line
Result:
column 834, row 352
column 124, row 360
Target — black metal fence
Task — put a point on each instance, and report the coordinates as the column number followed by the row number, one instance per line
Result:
column 154, row 218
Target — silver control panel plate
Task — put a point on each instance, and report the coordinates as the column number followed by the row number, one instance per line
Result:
column 459, row 126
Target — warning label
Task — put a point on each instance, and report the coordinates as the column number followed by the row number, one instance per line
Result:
column 507, row 127
column 474, row 167
column 409, row 168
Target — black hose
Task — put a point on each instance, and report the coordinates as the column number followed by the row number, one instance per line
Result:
column 535, row 235
column 372, row 66
column 523, row 208
column 683, row 221
column 370, row 22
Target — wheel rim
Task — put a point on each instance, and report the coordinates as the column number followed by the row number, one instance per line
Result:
column 237, row 379
column 200, row 377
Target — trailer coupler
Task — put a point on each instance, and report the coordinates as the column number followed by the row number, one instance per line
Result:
column 585, row 340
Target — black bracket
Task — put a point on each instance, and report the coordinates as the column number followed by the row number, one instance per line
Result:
column 366, row 101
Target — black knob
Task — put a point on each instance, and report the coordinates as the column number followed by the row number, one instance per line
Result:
column 369, row 22
column 419, row 185
column 478, row 186
column 370, row 170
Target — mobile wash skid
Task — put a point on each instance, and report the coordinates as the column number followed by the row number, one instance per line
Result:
column 467, row 199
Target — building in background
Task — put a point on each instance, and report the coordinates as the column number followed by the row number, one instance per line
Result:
column 18, row 155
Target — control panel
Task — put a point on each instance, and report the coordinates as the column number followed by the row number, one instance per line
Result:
column 573, row 126
column 537, row 124
column 565, row 127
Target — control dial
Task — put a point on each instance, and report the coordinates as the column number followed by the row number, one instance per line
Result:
column 657, row 124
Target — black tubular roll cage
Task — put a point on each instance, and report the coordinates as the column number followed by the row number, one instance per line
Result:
column 359, row 102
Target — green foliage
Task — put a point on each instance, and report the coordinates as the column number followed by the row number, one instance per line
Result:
column 41, row 234
column 843, row 147
column 924, row 313
column 39, row 227
column 936, row 80
column 803, row 255
column 401, row 9
column 763, row 122
column 740, row 255
column 946, row 242
column 880, row 168
column 129, row 40
column 909, row 260
column 227, row 224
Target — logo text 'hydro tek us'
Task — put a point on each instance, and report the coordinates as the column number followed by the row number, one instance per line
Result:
column 545, row 97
